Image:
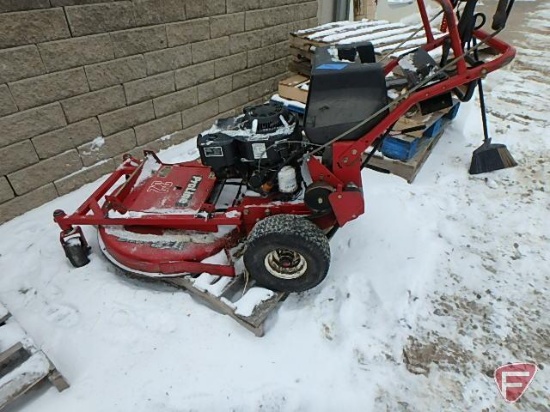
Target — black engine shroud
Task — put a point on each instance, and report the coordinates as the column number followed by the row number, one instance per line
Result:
column 253, row 146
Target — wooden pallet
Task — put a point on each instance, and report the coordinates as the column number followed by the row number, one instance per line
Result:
column 409, row 169
column 386, row 38
column 236, row 297
column 22, row 364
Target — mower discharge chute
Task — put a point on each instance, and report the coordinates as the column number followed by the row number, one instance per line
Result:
column 266, row 188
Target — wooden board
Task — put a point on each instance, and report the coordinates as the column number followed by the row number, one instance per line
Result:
column 386, row 37
column 225, row 298
column 22, row 364
column 407, row 170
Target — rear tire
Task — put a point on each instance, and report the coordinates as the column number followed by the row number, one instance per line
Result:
column 76, row 253
column 287, row 253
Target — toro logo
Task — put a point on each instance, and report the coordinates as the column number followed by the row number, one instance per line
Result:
column 189, row 191
column 514, row 379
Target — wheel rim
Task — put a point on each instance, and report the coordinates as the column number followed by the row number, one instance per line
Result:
column 285, row 264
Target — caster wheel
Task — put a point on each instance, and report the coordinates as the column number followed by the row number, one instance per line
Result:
column 76, row 252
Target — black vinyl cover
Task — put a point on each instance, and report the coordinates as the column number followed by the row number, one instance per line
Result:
column 342, row 94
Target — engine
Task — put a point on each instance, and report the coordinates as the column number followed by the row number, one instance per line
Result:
column 262, row 146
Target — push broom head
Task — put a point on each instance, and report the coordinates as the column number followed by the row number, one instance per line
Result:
column 489, row 157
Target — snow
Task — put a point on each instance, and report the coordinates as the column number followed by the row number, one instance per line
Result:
column 149, row 168
column 447, row 277
column 3, row 311
column 97, row 143
column 252, row 298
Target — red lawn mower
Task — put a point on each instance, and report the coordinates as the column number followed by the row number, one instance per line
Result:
column 270, row 188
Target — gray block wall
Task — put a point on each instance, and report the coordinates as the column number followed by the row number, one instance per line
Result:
column 84, row 81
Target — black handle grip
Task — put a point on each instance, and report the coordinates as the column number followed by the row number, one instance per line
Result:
column 499, row 19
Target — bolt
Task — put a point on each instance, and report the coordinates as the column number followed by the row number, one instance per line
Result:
column 339, row 196
column 354, row 152
column 246, row 211
column 345, row 159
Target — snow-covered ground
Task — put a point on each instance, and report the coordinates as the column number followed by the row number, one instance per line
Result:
column 435, row 286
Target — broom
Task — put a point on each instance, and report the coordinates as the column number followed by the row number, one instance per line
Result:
column 491, row 156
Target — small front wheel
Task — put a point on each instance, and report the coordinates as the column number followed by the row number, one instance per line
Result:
column 76, row 252
column 287, row 253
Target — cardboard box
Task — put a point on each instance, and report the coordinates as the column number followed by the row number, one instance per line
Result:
column 290, row 88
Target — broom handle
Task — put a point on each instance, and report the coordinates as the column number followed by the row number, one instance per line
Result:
column 481, row 100
column 483, row 111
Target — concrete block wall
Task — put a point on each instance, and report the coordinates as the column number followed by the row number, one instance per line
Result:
column 84, row 81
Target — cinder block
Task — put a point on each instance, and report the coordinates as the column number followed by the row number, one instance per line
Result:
column 275, row 34
column 20, row 5
column 194, row 75
column 210, row 49
column 308, row 11
column 6, row 192
column 19, row 63
column 234, row 6
column 46, row 171
column 260, row 56
column 199, row 113
column 57, row 3
column 17, row 156
column 7, row 105
column 263, row 88
column 247, row 77
column 158, row 128
column 195, row 9
column 259, row 19
column 94, row 103
column 208, row 123
column 150, row 12
column 275, row 68
column 100, row 18
column 48, row 24
column 245, row 41
column 61, row 140
column 21, row 204
column 86, row 175
column 134, row 41
column 113, row 72
column 188, row 32
column 215, row 88
column 175, row 102
column 230, row 65
column 65, row 54
column 126, row 117
column 49, row 88
column 226, row 25
column 107, row 147
column 30, row 123
column 167, row 141
column 150, row 87
column 281, row 49
column 233, row 100
column 168, row 59
column 179, row 136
